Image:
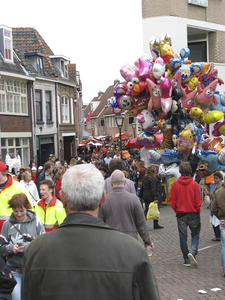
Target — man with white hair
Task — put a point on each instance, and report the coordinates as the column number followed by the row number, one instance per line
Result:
column 84, row 258
column 122, row 210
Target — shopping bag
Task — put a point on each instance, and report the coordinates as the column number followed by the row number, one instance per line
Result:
column 153, row 212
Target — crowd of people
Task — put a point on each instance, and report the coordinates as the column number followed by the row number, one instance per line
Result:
column 117, row 188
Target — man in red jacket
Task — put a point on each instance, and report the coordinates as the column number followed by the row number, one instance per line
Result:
column 186, row 202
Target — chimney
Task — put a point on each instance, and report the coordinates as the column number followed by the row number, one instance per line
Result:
column 72, row 71
column 116, row 81
column 100, row 93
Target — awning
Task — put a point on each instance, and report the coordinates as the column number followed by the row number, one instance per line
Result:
column 85, row 135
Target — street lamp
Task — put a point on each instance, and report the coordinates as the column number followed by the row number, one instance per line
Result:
column 76, row 146
column 134, row 127
column 119, row 122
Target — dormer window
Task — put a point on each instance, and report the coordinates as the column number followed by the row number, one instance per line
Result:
column 6, row 44
column 64, row 69
column 61, row 62
column 36, row 59
column 40, row 68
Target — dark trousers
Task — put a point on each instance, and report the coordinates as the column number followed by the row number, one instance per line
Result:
column 191, row 220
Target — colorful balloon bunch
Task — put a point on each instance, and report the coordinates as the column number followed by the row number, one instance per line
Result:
column 169, row 93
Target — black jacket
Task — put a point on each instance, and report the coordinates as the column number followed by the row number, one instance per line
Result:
column 86, row 259
column 149, row 189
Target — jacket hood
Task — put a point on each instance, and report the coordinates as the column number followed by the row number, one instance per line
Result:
column 31, row 215
column 184, row 180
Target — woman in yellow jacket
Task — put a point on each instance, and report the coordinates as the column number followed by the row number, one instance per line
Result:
column 49, row 209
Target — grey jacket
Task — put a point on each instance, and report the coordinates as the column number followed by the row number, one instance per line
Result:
column 129, row 186
column 86, row 259
column 32, row 227
column 123, row 211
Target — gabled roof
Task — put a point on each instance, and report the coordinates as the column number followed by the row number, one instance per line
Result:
column 28, row 40
column 31, row 41
column 103, row 101
column 14, row 68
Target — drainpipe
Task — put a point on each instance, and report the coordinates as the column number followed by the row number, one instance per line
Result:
column 33, row 121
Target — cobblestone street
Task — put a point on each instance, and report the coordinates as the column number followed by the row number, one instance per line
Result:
column 176, row 281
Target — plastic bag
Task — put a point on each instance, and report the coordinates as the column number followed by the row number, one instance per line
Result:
column 153, row 212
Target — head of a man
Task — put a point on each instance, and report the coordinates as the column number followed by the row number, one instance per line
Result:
column 52, row 157
column 118, row 178
column 48, row 167
column 116, row 164
column 57, row 164
column 82, row 188
column 185, row 169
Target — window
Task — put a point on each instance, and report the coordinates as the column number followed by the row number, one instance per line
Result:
column 2, row 103
column 131, row 119
column 64, row 69
column 48, row 101
column 65, row 109
column 9, row 103
column 112, row 121
column 11, row 99
column 40, row 68
column 16, row 100
column 16, row 146
column 197, row 43
column 102, row 122
column 8, row 44
column 197, row 51
column 38, row 104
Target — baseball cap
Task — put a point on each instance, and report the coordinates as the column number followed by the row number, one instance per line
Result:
column 34, row 168
column 40, row 168
column 3, row 167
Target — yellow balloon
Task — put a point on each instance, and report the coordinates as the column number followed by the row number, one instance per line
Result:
column 195, row 112
column 212, row 116
column 222, row 129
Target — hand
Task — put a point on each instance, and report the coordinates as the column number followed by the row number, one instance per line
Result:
column 21, row 249
column 206, row 191
column 152, row 246
column 15, row 248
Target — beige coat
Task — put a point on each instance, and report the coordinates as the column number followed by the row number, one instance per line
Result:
column 218, row 207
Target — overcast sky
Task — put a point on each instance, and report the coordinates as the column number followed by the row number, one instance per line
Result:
column 98, row 35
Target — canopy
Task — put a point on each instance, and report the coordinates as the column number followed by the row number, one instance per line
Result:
column 124, row 136
column 91, row 141
column 85, row 135
column 133, row 142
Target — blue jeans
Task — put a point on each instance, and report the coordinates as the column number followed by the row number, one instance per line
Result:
column 193, row 221
column 16, row 294
column 222, row 232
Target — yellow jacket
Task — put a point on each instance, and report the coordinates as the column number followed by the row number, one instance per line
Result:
column 51, row 215
column 11, row 188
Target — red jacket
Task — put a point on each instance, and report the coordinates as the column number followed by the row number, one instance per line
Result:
column 185, row 196
column 34, row 178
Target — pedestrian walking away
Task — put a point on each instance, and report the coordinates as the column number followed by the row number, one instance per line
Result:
column 186, row 202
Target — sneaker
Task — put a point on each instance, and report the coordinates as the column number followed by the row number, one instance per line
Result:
column 186, row 264
column 193, row 260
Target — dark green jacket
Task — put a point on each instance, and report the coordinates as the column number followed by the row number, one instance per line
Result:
column 84, row 259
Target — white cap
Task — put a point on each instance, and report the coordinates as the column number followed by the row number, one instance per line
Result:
column 40, row 168
column 34, row 168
